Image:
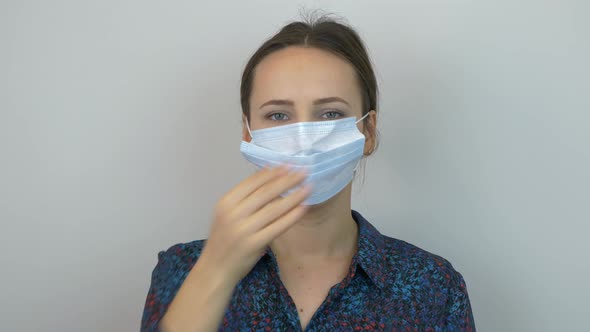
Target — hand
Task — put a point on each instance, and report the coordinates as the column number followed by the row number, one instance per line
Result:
column 250, row 216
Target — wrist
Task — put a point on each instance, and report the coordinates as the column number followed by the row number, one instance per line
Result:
column 212, row 274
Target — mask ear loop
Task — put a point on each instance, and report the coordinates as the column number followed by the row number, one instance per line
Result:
column 248, row 127
column 361, row 119
column 359, row 162
column 356, row 167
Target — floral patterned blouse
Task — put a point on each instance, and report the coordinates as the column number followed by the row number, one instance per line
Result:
column 391, row 286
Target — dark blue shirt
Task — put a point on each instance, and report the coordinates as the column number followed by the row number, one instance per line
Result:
column 391, row 286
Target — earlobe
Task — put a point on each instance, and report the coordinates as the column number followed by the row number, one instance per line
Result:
column 369, row 149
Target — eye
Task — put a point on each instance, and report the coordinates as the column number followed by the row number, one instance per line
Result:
column 332, row 115
column 278, row 117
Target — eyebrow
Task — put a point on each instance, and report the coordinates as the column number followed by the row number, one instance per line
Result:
column 315, row 102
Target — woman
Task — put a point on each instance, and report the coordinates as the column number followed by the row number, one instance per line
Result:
column 285, row 251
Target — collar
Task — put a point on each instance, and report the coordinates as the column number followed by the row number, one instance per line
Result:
column 371, row 250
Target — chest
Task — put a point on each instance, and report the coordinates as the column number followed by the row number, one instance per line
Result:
column 309, row 285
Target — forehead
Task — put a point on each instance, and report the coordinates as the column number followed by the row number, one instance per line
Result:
column 303, row 72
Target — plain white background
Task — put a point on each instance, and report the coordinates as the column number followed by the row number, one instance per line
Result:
column 120, row 128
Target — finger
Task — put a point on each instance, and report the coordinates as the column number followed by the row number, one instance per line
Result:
column 273, row 211
column 252, row 183
column 268, row 192
column 281, row 225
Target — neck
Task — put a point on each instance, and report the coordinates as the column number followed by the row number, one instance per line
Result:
column 326, row 231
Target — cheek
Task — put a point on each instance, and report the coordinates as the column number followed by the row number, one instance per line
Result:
column 259, row 121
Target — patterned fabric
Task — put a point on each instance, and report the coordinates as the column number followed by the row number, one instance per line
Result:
column 391, row 286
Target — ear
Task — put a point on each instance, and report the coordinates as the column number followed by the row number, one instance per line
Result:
column 245, row 134
column 370, row 132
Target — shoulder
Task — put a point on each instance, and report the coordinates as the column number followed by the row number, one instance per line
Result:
column 430, row 284
column 173, row 266
column 396, row 264
column 181, row 256
column 407, row 256
column 422, row 287
column 409, row 259
column 430, row 291
column 419, row 273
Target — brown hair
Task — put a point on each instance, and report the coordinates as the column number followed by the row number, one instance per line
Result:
column 323, row 33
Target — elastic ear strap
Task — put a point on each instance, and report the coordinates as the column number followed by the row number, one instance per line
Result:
column 361, row 119
column 357, row 166
column 248, row 127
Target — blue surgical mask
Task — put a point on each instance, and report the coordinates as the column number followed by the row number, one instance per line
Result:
column 329, row 151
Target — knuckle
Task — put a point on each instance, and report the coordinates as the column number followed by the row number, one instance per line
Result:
column 218, row 209
column 222, row 213
column 221, row 202
column 263, row 191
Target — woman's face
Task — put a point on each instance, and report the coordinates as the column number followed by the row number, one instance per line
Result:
column 298, row 84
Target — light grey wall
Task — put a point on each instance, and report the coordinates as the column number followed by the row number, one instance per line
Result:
column 120, row 127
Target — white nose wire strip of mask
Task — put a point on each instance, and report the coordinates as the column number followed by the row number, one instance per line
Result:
column 250, row 132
